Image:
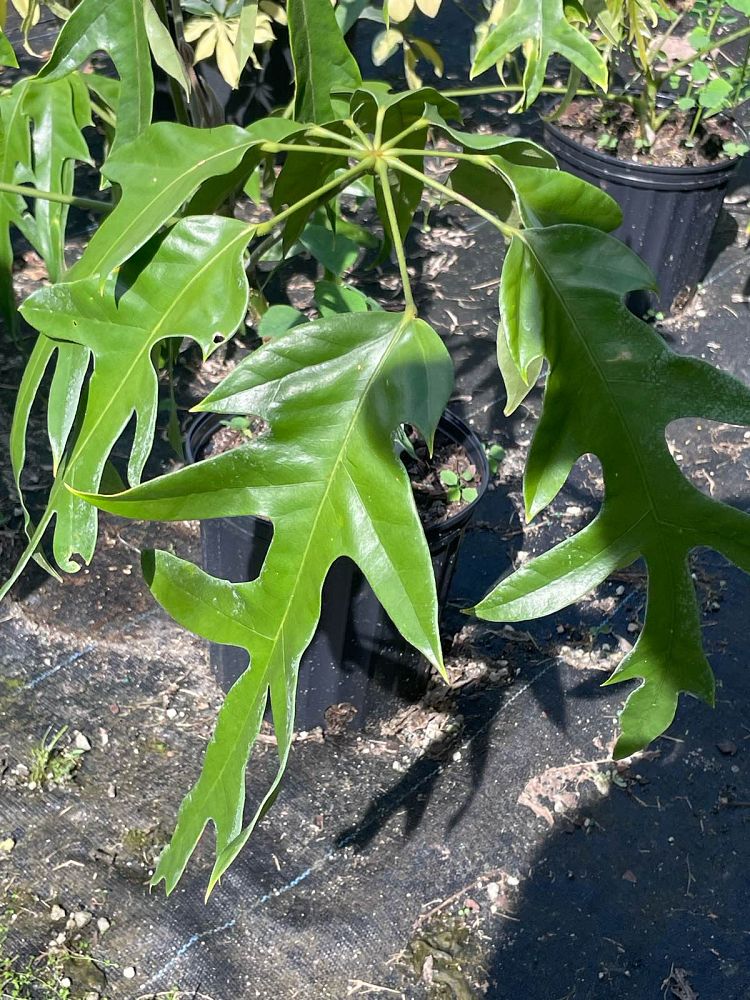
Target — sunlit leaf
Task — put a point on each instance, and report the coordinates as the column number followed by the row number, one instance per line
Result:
column 332, row 494
column 612, row 389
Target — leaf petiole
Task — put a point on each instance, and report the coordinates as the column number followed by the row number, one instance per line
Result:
column 27, row 191
column 508, row 231
column 398, row 243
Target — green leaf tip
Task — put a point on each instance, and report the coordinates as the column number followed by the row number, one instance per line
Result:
column 613, row 387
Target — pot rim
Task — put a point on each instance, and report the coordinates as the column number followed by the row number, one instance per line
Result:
column 663, row 172
column 450, row 423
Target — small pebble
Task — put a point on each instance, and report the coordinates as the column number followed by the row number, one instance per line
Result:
column 512, row 880
column 493, row 891
column 171, row 713
column 56, row 913
column 560, row 629
column 81, row 742
column 65, row 983
column 111, row 790
column 7, row 845
column 457, row 756
column 82, row 917
column 103, row 925
column 632, row 627
column 129, row 972
column 620, row 591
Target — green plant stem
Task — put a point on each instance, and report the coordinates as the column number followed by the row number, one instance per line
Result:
column 396, row 240
column 325, row 133
column 515, row 89
column 290, row 147
column 363, row 138
column 27, row 191
column 262, row 248
column 103, row 112
column 483, row 159
column 741, row 78
column 416, row 126
column 336, row 183
column 508, row 231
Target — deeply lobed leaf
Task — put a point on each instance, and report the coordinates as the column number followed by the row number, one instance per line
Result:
column 612, row 389
column 334, row 392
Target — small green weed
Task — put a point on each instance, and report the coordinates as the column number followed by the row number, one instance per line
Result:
column 51, row 763
column 460, row 485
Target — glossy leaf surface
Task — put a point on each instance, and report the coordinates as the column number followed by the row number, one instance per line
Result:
column 331, row 487
column 323, row 65
column 194, row 286
column 613, row 387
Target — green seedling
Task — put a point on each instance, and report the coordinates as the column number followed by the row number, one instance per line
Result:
column 459, row 486
column 495, row 454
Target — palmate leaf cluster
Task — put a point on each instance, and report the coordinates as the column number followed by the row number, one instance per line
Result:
column 167, row 265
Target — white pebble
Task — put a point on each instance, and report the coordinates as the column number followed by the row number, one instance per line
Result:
column 171, row 713
column 620, row 591
column 81, row 742
column 81, row 918
column 129, row 972
column 56, row 913
column 632, row 626
column 103, row 925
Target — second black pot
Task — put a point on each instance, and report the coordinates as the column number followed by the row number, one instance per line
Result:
column 669, row 213
column 357, row 656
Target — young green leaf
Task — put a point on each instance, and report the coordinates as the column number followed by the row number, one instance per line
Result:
column 332, row 494
column 157, row 173
column 323, row 65
column 118, row 27
column 612, row 389
column 448, row 477
column 542, row 29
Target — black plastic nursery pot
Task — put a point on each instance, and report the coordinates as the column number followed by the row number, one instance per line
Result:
column 669, row 213
column 356, row 656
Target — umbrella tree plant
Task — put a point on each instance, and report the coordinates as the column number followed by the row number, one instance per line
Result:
column 167, row 264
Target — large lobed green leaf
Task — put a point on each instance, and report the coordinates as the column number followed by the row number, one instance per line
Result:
column 41, row 141
column 156, row 173
column 612, row 389
column 193, row 286
column 334, row 392
column 541, row 29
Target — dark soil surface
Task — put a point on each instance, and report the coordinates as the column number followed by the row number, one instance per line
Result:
column 590, row 121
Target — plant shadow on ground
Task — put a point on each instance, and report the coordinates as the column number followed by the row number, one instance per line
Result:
column 652, row 887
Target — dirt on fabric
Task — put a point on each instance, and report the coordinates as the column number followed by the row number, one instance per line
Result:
column 587, row 122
